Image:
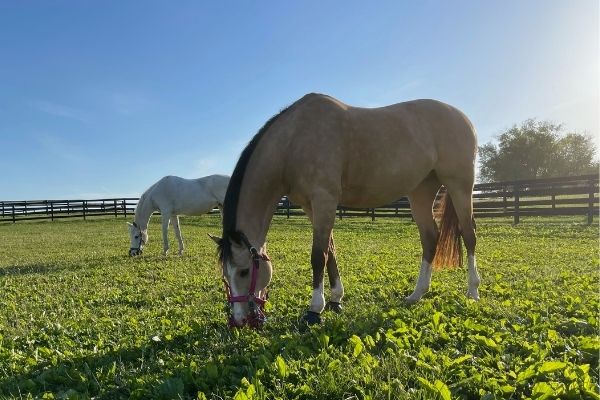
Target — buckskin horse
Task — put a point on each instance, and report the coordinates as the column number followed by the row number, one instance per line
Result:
column 323, row 153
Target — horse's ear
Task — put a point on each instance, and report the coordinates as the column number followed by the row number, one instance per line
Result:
column 129, row 223
column 216, row 239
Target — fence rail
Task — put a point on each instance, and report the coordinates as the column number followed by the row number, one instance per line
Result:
column 516, row 199
column 13, row 211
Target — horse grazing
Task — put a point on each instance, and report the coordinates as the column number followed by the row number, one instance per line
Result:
column 174, row 196
column 323, row 153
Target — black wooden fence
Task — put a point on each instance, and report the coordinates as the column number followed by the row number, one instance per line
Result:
column 516, row 199
column 13, row 211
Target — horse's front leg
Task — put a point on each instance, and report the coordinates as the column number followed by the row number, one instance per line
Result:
column 323, row 219
column 177, row 230
column 165, row 232
column 335, row 282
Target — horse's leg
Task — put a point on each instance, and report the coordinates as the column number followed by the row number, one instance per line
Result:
column 421, row 203
column 323, row 218
column 165, row 231
column 461, row 192
column 177, row 230
column 335, row 281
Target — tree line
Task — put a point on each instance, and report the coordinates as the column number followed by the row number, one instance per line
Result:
column 536, row 149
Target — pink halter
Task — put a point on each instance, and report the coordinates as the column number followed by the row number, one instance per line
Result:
column 256, row 304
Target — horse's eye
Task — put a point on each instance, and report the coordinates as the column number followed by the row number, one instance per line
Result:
column 136, row 236
column 244, row 273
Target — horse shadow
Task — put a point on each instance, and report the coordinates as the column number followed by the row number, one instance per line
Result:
column 34, row 269
column 78, row 376
column 41, row 268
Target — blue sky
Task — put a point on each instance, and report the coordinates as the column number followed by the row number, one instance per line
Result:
column 101, row 99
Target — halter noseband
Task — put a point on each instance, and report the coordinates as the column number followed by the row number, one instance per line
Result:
column 256, row 315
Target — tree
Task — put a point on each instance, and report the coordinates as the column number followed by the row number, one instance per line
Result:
column 536, row 149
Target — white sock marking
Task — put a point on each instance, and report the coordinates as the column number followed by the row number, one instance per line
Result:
column 317, row 303
column 423, row 283
column 337, row 291
column 474, row 279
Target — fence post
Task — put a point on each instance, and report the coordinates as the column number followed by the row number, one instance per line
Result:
column 2, row 209
column 590, row 218
column 84, row 208
column 125, row 209
column 68, row 207
column 287, row 200
column 516, row 189
column 13, row 213
column 52, row 211
column 372, row 214
column 115, row 201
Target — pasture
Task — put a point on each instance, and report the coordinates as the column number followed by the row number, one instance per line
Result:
column 80, row 319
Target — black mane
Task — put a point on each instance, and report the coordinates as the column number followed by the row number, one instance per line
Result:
column 232, row 196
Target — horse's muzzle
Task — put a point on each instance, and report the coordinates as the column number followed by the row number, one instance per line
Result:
column 255, row 319
column 135, row 252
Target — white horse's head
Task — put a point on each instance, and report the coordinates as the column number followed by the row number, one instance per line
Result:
column 138, row 239
column 247, row 272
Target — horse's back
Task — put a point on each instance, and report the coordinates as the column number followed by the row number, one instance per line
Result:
column 375, row 155
column 183, row 196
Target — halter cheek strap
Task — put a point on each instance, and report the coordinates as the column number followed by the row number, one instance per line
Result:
column 142, row 241
column 251, row 291
column 256, row 316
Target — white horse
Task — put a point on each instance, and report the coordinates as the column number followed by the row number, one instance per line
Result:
column 174, row 196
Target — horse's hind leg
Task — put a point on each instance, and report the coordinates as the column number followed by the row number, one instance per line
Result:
column 177, row 230
column 461, row 195
column 421, row 203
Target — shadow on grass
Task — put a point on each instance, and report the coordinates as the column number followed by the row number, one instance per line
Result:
column 34, row 269
column 55, row 267
column 139, row 372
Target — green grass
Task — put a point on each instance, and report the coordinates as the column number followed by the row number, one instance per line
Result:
column 80, row 319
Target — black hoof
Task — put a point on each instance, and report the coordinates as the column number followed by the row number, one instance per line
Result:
column 334, row 306
column 312, row 318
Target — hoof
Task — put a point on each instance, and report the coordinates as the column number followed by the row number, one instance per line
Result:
column 334, row 306
column 312, row 318
column 473, row 295
column 410, row 300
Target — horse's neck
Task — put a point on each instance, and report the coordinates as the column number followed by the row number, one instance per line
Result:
column 143, row 211
column 255, row 223
column 258, row 200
